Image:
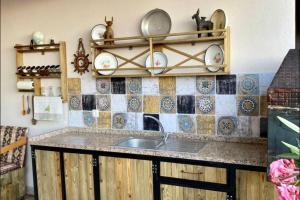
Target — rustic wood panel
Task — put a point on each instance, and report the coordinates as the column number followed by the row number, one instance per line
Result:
column 48, row 175
column 254, row 186
column 125, row 179
column 79, row 176
column 193, row 172
column 12, row 184
column 63, row 69
column 169, row 192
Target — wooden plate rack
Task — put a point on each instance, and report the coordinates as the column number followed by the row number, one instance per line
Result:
column 131, row 68
column 62, row 75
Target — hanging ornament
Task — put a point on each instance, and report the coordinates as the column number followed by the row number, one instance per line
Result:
column 81, row 61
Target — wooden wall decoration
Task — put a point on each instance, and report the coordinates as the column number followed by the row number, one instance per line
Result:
column 81, row 61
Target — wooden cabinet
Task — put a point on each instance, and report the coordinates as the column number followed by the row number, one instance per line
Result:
column 123, row 178
column 251, row 185
column 48, row 175
column 79, row 176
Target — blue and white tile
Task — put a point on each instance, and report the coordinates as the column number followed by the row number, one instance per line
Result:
column 134, row 121
column 169, row 122
column 88, row 119
column 88, row 85
column 248, row 84
column 227, row 125
column 186, row 124
column 265, row 79
column 119, row 120
column 118, row 103
column 76, row 118
column 150, row 86
column 185, row 85
column 225, row 105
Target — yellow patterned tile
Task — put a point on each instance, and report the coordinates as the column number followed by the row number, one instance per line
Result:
column 151, row 104
column 74, row 85
column 205, row 124
column 167, row 85
column 104, row 120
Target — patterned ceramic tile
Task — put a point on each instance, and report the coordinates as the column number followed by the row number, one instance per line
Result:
column 118, row 103
column 225, row 105
column 205, row 105
column 205, row 124
column 134, row 103
column 104, row 120
column 134, row 85
column 103, row 102
column 186, row 104
column 74, row 85
column 150, row 124
column 185, row 85
column 119, row 120
column 226, row 84
column 248, row 105
column 167, row 104
column 76, row 118
column 103, row 85
column 88, row 102
column 88, row 85
column 167, row 86
column 263, row 105
column 248, row 126
column 206, row 84
column 265, row 80
column 134, row 121
column 263, row 127
column 88, row 119
column 75, row 102
column 118, row 86
column 227, row 125
column 150, row 86
column 151, row 104
column 186, row 123
column 169, row 122
column 248, row 84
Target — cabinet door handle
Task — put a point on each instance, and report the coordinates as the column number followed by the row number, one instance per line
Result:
column 198, row 173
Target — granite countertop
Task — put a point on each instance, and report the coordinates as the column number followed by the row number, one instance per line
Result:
column 245, row 151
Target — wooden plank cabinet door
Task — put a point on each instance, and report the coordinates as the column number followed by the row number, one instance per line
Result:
column 122, row 178
column 48, row 175
column 79, row 176
column 254, row 186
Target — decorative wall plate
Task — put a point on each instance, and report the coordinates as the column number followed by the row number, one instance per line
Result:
column 160, row 60
column 205, row 85
column 218, row 19
column 97, row 32
column 106, row 61
column 134, row 85
column 186, row 124
column 247, row 105
column 226, row 125
column 88, row 119
column 134, row 104
column 167, row 104
column 103, row 102
column 119, row 120
column 103, row 85
column 205, row 104
column 214, row 55
column 75, row 103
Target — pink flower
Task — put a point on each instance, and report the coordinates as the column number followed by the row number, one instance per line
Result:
column 288, row 192
column 283, row 171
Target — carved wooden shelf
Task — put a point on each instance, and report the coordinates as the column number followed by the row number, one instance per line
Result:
column 130, row 68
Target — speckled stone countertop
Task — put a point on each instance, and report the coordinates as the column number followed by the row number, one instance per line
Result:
column 245, row 151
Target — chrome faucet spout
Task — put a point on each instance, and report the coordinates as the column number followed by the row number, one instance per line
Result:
column 164, row 135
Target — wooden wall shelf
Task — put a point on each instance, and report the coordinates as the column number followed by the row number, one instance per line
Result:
column 130, row 68
column 62, row 75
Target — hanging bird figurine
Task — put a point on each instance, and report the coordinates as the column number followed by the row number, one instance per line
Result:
column 81, row 61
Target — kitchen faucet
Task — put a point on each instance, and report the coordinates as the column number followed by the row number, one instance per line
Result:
column 162, row 130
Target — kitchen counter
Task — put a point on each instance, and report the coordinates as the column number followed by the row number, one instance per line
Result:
column 241, row 151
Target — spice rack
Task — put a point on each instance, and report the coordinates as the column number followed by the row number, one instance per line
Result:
column 135, row 69
column 60, row 48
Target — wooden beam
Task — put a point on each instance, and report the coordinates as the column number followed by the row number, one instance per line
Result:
column 20, row 142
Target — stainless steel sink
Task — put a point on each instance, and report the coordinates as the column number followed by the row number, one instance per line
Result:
column 179, row 145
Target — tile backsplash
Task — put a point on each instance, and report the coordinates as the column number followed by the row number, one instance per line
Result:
column 228, row 105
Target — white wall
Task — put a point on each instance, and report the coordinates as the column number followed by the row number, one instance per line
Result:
column 261, row 34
